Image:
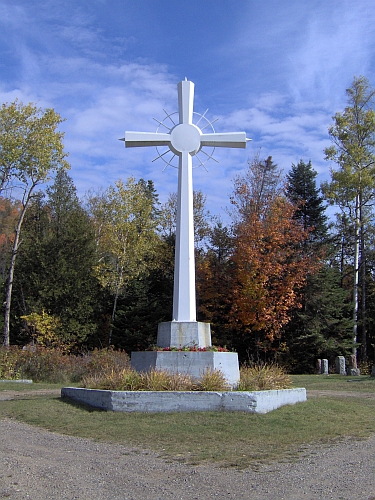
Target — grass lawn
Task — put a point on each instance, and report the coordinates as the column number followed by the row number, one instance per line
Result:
column 21, row 387
column 231, row 439
column 339, row 383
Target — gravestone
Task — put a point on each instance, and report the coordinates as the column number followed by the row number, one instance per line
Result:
column 340, row 365
column 353, row 370
column 318, row 366
column 185, row 140
column 324, row 366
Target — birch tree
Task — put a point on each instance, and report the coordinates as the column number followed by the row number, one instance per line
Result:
column 31, row 149
column 125, row 233
column 352, row 184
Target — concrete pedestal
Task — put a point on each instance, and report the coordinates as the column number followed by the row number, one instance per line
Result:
column 170, row 401
column 184, row 334
column 189, row 363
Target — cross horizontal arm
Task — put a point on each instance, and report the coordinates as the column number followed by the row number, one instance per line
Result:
column 139, row 139
column 224, row 140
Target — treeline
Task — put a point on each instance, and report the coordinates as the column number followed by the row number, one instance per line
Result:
column 281, row 282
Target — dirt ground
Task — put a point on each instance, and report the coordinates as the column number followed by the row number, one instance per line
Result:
column 39, row 465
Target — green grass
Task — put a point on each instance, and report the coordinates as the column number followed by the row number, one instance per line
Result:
column 21, row 387
column 231, row 439
column 334, row 383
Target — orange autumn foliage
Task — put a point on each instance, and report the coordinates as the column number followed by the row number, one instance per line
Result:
column 271, row 266
column 9, row 214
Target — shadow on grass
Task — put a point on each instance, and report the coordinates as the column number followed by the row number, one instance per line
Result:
column 80, row 406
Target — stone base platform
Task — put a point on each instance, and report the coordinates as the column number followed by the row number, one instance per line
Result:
column 193, row 363
column 182, row 401
column 184, row 334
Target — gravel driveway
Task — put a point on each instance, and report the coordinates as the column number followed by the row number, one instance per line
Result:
column 39, row 465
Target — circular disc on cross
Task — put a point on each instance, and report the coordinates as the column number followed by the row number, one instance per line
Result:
column 185, row 138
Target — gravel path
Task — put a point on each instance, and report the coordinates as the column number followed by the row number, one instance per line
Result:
column 39, row 465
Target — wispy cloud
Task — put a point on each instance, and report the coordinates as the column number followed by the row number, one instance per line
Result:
column 277, row 70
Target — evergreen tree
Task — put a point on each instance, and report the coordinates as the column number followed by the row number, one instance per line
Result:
column 317, row 329
column 214, row 282
column 57, row 258
column 146, row 302
column 304, row 194
column 322, row 328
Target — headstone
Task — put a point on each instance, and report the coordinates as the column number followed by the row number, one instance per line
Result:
column 353, row 370
column 318, row 366
column 185, row 140
column 324, row 366
column 352, row 361
column 340, row 365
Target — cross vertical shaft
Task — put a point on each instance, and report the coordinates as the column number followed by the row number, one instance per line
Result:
column 184, row 300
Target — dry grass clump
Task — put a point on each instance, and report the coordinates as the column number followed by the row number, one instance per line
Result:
column 162, row 380
column 212, row 380
column 128, row 379
column 253, row 378
column 263, row 378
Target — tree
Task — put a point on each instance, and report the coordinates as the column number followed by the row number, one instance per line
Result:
column 31, row 149
column 269, row 262
column 201, row 217
column 255, row 190
column 303, row 193
column 214, row 283
column 9, row 213
column 125, row 223
column 55, row 275
column 322, row 327
column 352, row 185
column 317, row 328
column 270, row 269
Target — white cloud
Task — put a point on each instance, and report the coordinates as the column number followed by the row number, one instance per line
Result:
column 279, row 73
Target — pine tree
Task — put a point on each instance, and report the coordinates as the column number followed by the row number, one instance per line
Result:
column 214, row 282
column 304, row 194
column 316, row 329
column 57, row 258
column 322, row 328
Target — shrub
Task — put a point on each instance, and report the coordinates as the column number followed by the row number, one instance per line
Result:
column 263, row 378
column 43, row 364
column 103, row 360
column 9, row 363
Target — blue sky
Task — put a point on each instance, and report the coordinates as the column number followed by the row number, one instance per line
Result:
column 276, row 69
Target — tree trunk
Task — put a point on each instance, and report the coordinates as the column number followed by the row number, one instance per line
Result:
column 356, row 276
column 9, row 287
column 363, row 298
column 115, row 307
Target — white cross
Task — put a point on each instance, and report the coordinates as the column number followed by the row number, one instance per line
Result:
column 185, row 140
